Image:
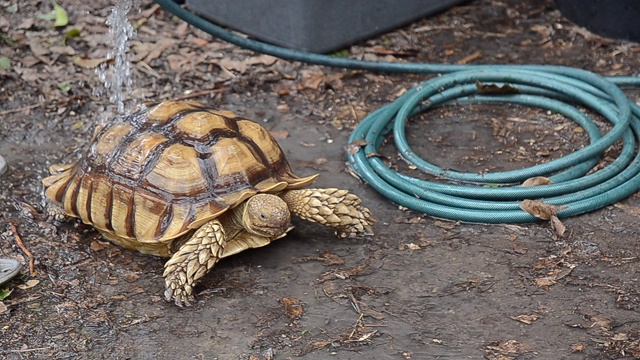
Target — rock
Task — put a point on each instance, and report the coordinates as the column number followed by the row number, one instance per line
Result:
column 3, row 165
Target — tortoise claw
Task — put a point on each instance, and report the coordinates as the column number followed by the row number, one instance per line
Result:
column 55, row 214
column 179, row 297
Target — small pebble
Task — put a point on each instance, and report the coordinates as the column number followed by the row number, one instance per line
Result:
column 3, row 165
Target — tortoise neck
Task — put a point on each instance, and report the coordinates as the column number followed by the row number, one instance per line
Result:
column 232, row 221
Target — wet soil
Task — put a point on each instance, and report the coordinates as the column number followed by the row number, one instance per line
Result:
column 421, row 288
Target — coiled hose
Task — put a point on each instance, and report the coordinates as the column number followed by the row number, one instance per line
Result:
column 490, row 197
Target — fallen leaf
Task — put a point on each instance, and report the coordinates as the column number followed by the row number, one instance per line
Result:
column 329, row 258
column 292, row 307
column 89, row 63
column 65, row 86
column 29, row 284
column 97, row 245
column 70, row 35
column 537, row 181
column 506, row 350
column 543, row 153
column 493, row 89
column 446, row 224
column 62, row 19
column 64, row 50
column 261, row 59
column 526, row 319
column 5, row 63
column 577, row 347
column 556, row 275
column 345, row 273
column 557, row 226
column 539, row 209
column 545, row 281
column 3, row 307
column 130, row 277
column 412, row 246
column 3, row 295
column 312, row 81
column 620, row 337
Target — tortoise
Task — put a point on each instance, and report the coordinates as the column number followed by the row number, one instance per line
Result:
column 194, row 184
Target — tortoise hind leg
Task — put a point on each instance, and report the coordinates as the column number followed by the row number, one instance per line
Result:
column 192, row 261
column 55, row 213
column 335, row 208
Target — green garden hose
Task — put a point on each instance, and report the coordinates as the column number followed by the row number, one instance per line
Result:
column 488, row 197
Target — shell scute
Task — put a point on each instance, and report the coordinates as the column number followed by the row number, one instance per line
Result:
column 177, row 172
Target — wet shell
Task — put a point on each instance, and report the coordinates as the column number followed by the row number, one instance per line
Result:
column 163, row 171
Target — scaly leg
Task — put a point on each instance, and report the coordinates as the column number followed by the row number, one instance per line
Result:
column 192, row 261
column 55, row 213
column 335, row 208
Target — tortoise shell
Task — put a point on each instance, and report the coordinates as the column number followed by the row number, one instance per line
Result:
column 163, row 171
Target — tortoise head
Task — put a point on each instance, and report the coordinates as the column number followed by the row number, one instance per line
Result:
column 266, row 215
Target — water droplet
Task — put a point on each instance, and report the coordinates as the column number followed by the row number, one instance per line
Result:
column 116, row 75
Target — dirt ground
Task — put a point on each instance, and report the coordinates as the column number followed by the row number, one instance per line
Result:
column 421, row 288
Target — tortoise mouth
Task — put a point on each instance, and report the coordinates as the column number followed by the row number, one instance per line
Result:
column 270, row 231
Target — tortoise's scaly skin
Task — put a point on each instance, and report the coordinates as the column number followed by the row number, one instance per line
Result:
column 176, row 180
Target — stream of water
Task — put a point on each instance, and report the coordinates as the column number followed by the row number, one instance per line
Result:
column 116, row 75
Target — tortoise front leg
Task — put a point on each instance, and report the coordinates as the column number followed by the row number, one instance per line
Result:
column 192, row 261
column 335, row 208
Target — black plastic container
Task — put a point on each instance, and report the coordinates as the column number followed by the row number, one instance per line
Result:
column 612, row 18
column 315, row 25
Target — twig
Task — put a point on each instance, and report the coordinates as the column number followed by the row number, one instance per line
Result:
column 11, row 111
column 355, row 327
column 24, row 249
column 30, row 350
column 202, row 93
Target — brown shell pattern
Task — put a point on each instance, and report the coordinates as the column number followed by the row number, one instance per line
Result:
column 165, row 170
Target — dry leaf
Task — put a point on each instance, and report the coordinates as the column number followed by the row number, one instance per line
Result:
column 89, row 63
column 620, row 337
column 552, row 279
column 3, row 307
column 577, row 347
column 64, row 50
column 29, row 284
column 526, row 319
column 130, row 277
column 329, row 258
column 545, row 281
column 493, row 89
column 557, row 226
column 292, row 307
column 540, row 210
column 313, row 81
column 507, row 350
column 97, row 245
column 537, row 181
column 410, row 246
column 261, row 59
column 543, row 153
column 446, row 224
